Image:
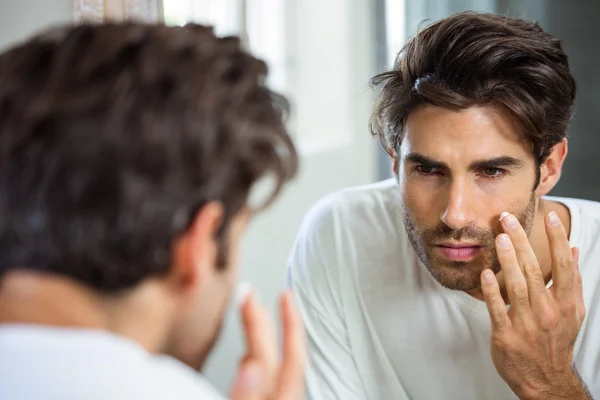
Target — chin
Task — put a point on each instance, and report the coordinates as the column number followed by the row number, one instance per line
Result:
column 461, row 275
column 463, row 282
column 464, row 276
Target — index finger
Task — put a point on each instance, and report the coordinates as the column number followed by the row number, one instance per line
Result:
column 261, row 344
column 527, row 259
column 563, row 264
column 291, row 375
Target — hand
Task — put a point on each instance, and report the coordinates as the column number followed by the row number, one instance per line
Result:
column 260, row 375
column 532, row 344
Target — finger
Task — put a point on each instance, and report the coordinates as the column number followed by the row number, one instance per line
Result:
column 516, row 285
column 261, row 342
column 291, row 375
column 527, row 260
column 248, row 385
column 494, row 302
column 575, row 252
column 578, row 285
column 563, row 270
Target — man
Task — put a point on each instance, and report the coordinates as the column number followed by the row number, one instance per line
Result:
column 129, row 155
column 403, row 284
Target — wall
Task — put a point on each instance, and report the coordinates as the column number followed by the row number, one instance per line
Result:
column 576, row 23
column 22, row 18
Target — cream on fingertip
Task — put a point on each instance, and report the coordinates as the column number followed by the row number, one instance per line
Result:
column 242, row 293
column 503, row 215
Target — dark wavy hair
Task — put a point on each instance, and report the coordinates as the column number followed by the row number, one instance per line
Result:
column 472, row 59
column 113, row 136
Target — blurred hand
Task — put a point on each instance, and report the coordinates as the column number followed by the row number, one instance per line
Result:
column 261, row 376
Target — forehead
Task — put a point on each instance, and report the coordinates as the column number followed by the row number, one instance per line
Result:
column 473, row 133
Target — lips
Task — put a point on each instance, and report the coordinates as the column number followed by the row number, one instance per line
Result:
column 458, row 252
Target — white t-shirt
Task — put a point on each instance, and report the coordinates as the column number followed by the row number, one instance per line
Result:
column 39, row 363
column 381, row 327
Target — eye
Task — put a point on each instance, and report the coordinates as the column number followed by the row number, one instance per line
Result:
column 492, row 173
column 425, row 169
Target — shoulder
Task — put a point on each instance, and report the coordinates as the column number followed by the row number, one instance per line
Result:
column 585, row 228
column 587, row 207
column 347, row 228
column 585, row 213
column 353, row 207
column 340, row 236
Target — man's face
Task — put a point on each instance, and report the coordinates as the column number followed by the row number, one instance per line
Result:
column 458, row 172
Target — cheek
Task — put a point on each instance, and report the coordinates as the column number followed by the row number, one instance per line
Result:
column 235, row 250
column 418, row 189
column 422, row 205
column 494, row 204
column 229, row 276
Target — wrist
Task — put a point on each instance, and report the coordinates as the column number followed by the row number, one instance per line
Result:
column 569, row 386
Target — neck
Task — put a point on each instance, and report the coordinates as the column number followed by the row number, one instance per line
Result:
column 41, row 299
column 539, row 243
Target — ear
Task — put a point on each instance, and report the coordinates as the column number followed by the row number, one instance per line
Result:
column 195, row 251
column 394, row 157
column 551, row 168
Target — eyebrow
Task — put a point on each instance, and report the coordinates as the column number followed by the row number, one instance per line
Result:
column 496, row 162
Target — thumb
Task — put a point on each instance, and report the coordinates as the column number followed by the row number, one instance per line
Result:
column 248, row 385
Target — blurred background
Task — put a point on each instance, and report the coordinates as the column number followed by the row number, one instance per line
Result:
column 321, row 54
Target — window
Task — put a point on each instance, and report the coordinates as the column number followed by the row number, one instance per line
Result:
column 115, row 10
column 310, row 48
column 395, row 24
column 260, row 24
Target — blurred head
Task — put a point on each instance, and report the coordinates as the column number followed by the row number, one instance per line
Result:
column 475, row 114
column 127, row 155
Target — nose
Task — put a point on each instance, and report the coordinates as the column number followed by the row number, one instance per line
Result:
column 459, row 211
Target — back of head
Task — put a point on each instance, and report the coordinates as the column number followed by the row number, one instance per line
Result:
column 113, row 136
column 471, row 59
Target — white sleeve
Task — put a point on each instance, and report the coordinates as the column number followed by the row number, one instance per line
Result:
column 314, row 277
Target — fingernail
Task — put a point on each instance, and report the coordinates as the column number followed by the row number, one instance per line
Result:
column 504, row 214
column 504, row 241
column 553, row 219
column 243, row 292
column 510, row 221
column 250, row 379
column 488, row 276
